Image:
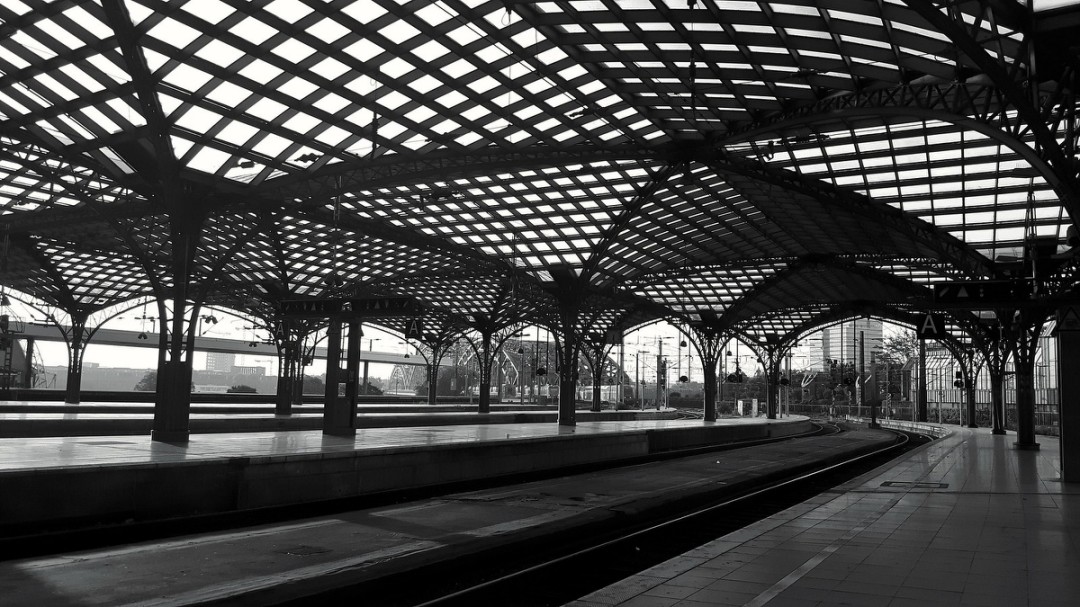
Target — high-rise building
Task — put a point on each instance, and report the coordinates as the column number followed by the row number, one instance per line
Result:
column 222, row 362
column 841, row 343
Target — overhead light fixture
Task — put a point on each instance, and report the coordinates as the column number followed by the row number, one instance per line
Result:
column 309, row 157
column 143, row 335
column 246, row 164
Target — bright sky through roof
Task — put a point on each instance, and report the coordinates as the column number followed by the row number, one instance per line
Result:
column 1045, row 5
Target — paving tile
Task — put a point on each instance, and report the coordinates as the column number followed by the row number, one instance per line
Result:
column 1014, row 540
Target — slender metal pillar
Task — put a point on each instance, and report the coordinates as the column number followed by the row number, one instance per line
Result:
column 1068, row 360
column 922, row 381
column 338, row 419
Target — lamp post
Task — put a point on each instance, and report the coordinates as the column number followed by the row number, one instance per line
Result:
column 521, row 335
column 521, row 377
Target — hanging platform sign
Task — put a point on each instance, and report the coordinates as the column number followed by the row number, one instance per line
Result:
column 414, row 328
column 932, row 326
column 312, row 308
column 372, row 307
column 1068, row 320
column 982, row 293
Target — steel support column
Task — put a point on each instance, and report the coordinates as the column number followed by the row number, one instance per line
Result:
column 76, row 348
column 1068, row 360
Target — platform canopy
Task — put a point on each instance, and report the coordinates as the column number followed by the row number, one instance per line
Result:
column 761, row 167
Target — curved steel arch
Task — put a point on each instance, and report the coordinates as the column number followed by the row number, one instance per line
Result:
column 926, row 101
column 449, row 164
column 972, row 262
column 782, row 277
column 844, row 312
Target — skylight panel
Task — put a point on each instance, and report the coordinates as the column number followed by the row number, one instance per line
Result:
column 293, row 50
column 434, row 13
column 301, row 122
column 396, row 67
column 253, row 30
column 208, row 160
column 425, row 84
column 271, row 145
column 30, row 43
column 430, row 51
column 328, row 30
column 16, row 61
column 483, row 84
column 78, row 75
column 331, row 103
column 465, row 35
column 49, row 83
column 237, row 133
column 198, row 119
column 219, row 53
column 172, row 32
column 399, row 31
column 8, row 101
column 267, row 109
column 228, row 94
column 260, row 71
column 60, row 34
column 593, row 5
column 17, row 7
column 186, row 78
column 109, row 68
column 330, row 68
column 100, row 119
column 459, row 68
column 211, row 11
column 865, row 41
column 391, row 100
column 451, row 99
column 364, row 11
column 289, row 11
column 298, row 88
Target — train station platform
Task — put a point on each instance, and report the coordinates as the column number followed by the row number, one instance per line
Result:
column 966, row 520
column 269, row 563
column 23, row 420
column 64, row 482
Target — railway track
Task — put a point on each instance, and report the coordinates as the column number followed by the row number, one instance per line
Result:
column 563, row 567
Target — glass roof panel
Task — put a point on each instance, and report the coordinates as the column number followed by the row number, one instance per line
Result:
column 459, row 124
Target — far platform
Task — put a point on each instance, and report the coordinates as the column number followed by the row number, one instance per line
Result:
column 46, row 482
column 40, row 419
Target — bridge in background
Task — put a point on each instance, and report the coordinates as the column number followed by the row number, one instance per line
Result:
column 134, row 339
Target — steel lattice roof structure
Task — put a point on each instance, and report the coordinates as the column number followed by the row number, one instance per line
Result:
column 764, row 166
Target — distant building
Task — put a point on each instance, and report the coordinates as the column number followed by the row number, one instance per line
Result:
column 841, row 343
column 220, row 362
column 257, row 371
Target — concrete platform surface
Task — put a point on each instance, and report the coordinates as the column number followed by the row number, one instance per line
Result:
column 78, row 482
column 966, row 520
column 39, row 420
column 273, row 562
column 79, row 452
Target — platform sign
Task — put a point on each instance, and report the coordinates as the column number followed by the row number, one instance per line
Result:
column 348, row 308
column 414, row 328
column 932, row 326
column 381, row 306
column 1068, row 320
column 982, row 292
column 312, row 308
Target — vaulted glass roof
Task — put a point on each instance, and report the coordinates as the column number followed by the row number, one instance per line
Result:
column 750, row 164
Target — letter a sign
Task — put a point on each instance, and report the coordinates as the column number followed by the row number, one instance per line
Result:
column 932, row 326
column 414, row 328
